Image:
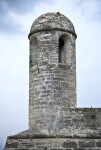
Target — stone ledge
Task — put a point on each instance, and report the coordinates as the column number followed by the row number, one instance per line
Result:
column 33, row 134
column 53, row 144
column 52, row 29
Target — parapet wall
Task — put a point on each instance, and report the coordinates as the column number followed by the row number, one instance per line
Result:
column 82, row 122
column 73, row 122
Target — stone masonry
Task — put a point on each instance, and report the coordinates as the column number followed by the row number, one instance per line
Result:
column 52, row 83
column 54, row 121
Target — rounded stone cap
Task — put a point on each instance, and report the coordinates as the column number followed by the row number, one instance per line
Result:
column 52, row 21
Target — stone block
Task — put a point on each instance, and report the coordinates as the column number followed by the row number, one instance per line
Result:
column 69, row 145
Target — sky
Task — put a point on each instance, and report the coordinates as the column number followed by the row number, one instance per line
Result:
column 16, row 18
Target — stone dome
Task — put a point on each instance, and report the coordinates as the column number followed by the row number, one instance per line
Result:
column 49, row 21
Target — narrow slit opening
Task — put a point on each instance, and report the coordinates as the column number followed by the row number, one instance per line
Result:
column 61, row 49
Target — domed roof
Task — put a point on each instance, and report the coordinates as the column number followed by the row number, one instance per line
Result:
column 51, row 21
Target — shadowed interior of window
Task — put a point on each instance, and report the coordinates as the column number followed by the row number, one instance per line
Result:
column 61, row 50
column 64, row 50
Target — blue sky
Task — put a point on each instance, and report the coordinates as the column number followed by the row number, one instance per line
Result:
column 16, row 18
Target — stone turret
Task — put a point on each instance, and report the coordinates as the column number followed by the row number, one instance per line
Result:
column 54, row 121
column 52, row 83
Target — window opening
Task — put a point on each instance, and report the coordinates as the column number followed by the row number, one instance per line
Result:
column 64, row 56
column 61, row 50
column 33, row 51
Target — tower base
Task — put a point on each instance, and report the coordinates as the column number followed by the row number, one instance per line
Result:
column 34, row 140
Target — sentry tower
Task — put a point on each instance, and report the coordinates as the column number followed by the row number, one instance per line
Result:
column 52, row 83
column 55, row 123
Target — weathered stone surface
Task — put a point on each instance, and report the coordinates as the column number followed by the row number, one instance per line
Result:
column 51, row 21
column 98, row 143
column 69, row 144
column 52, row 83
column 75, row 122
column 86, row 144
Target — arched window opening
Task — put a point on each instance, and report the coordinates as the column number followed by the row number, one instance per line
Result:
column 64, row 50
column 61, row 50
column 33, row 51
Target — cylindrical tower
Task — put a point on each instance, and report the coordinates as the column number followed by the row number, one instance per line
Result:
column 52, row 70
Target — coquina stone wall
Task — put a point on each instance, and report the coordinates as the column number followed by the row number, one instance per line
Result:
column 74, row 122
